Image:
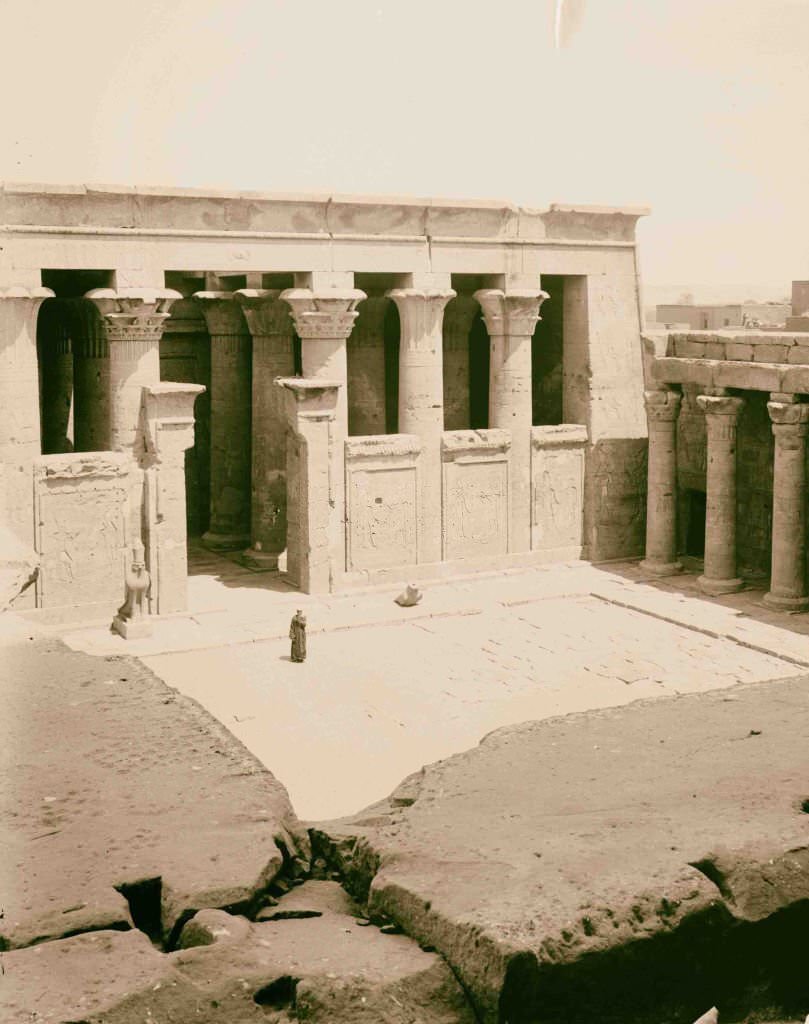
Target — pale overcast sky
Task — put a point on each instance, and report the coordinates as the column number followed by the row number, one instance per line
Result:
column 696, row 107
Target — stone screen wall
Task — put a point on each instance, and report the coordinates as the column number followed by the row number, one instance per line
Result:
column 475, row 484
column 557, row 489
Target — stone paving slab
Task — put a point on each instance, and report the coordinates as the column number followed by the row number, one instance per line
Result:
column 109, row 778
column 632, row 864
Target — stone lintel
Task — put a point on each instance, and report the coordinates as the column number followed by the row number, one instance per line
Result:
column 561, row 435
column 383, row 446
column 480, row 442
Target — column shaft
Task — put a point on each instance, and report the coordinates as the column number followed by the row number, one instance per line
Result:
column 721, row 418
column 324, row 319
column 790, row 422
column 421, row 401
column 271, row 328
column 20, row 439
column 511, row 318
column 662, row 411
column 231, row 401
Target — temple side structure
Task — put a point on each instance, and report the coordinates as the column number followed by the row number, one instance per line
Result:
column 380, row 387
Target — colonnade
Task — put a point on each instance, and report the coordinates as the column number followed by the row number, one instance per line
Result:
column 789, row 418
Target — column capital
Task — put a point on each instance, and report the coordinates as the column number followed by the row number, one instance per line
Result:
column 326, row 314
column 265, row 312
column 513, row 313
column 133, row 314
column 662, row 406
column 421, row 312
column 788, row 416
column 223, row 315
column 720, row 405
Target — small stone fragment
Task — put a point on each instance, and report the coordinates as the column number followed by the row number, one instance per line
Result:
column 391, row 929
column 710, row 1017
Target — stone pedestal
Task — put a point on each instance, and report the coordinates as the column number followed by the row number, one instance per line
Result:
column 511, row 318
column 421, row 400
column 231, row 400
column 365, row 354
column 270, row 325
column 458, row 318
column 20, row 439
column 311, row 407
column 169, row 430
column 790, row 421
column 324, row 319
column 662, row 411
column 721, row 419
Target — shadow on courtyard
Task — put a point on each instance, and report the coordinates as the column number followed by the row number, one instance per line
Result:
column 747, row 602
column 227, row 568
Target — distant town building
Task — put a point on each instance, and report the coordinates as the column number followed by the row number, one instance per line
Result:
column 799, row 320
column 715, row 317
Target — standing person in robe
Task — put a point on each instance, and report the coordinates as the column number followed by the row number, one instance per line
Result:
column 297, row 634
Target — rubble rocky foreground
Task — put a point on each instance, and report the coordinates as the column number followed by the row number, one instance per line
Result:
column 633, row 865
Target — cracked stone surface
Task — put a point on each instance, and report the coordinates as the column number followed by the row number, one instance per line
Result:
column 553, row 864
column 325, row 969
column 110, row 778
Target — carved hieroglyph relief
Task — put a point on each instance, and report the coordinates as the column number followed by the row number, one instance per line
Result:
column 558, row 483
column 382, row 517
column 81, row 503
column 475, row 508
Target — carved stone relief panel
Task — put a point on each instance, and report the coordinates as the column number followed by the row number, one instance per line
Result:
column 476, row 493
column 557, row 470
column 81, row 505
column 382, row 490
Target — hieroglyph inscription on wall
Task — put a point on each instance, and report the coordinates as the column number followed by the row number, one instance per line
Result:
column 476, row 493
column 81, row 515
column 557, row 483
column 382, row 501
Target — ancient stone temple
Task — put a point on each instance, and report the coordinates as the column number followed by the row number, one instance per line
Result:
column 379, row 388
column 728, row 421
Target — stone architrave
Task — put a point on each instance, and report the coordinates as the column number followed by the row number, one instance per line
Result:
column 511, row 318
column 133, row 322
column 458, row 318
column 662, row 412
column 790, row 422
column 324, row 319
column 20, row 437
column 231, row 400
column 169, row 431
column 421, row 400
column 721, row 420
column 311, row 407
column 270, row 325
column 365, row 353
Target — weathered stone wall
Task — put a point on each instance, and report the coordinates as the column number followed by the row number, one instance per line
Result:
column 476, row 468
column 557, row 484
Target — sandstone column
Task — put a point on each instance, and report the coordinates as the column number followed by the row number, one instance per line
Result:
column 721, row 418
column 56, row 377
column 458, row 318
column 790, row 421
column 511, row 318
column 421, row 400
column 365, row 353
column 169, row 431
column 324, row 319
column 271, row 327
column 133, row 322
column 91, row 377
column 20, row 440
column 231, row 396
column 311, row 405
column 662, row 411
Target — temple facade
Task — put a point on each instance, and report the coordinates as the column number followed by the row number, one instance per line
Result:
column 728, row 420
column 379, row 388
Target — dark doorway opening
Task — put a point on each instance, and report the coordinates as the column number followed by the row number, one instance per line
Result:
column 391, row 342
column 479, row 361
column 695, row 523
column 547, row 355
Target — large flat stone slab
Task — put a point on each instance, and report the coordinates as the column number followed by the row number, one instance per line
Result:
column 634, row 864
column 110, row 779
